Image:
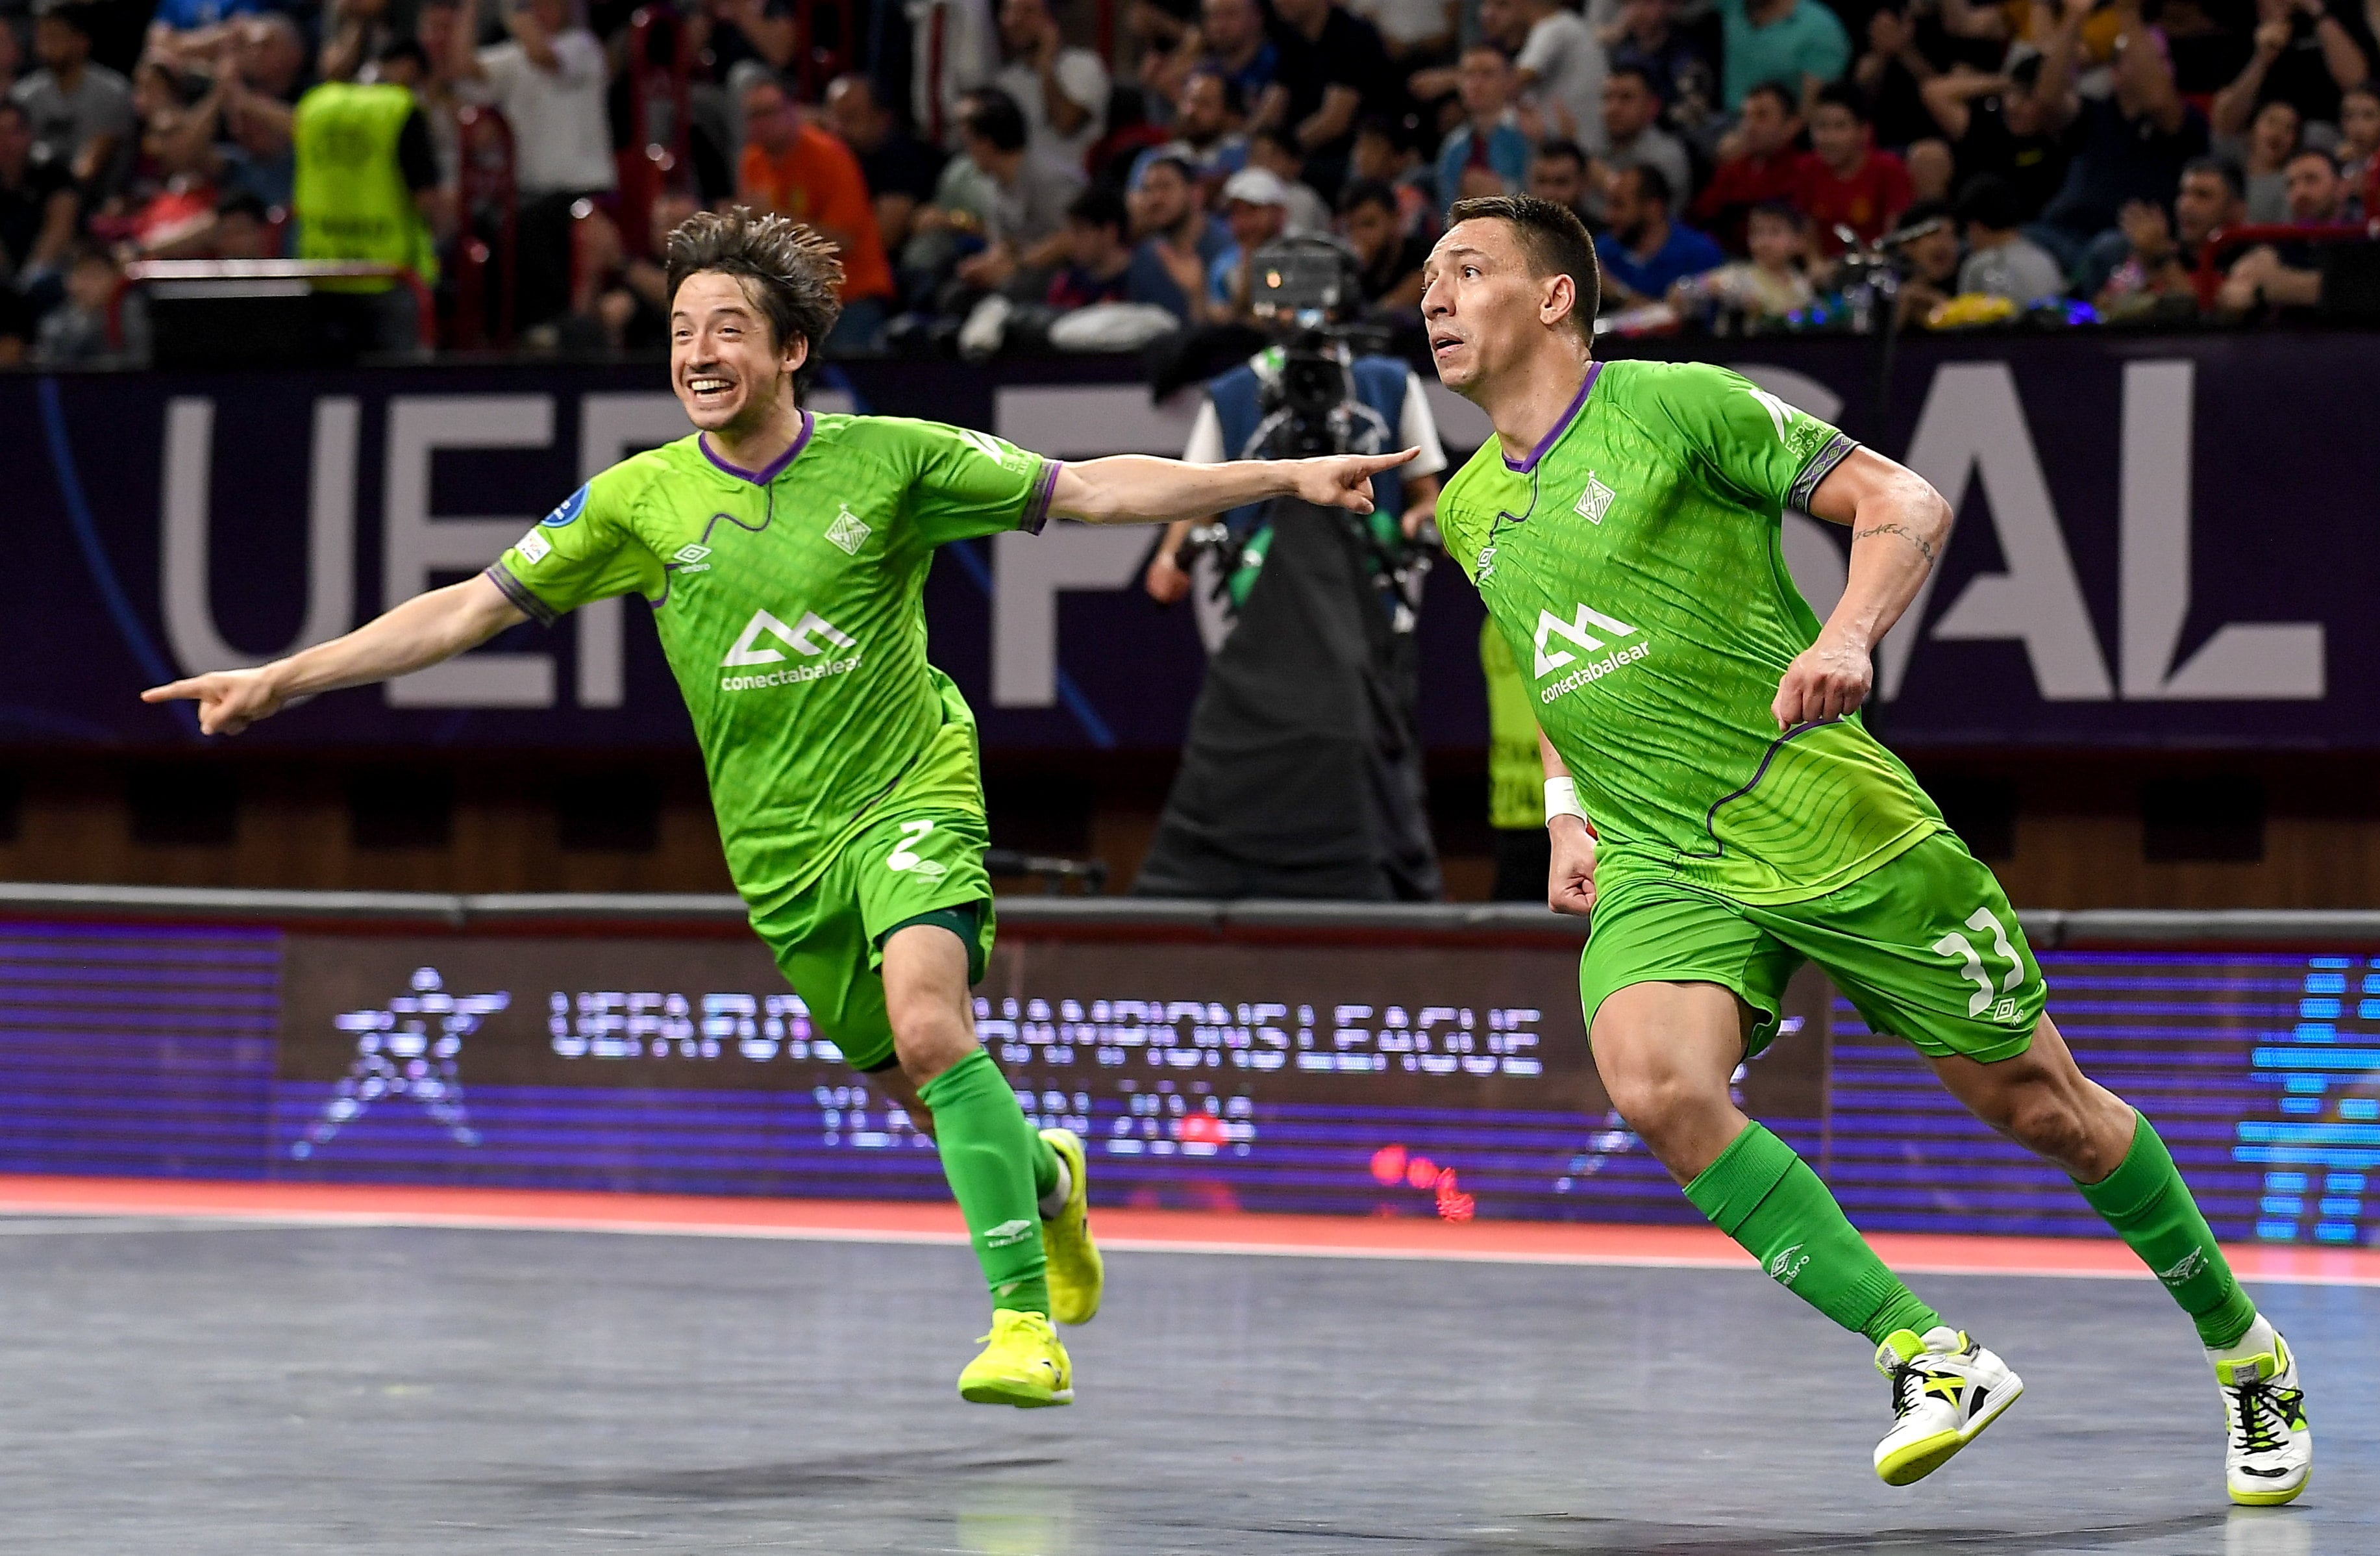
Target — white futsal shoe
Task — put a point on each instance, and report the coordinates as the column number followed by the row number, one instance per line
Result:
column 2268, row 1455
column 1946, row 1390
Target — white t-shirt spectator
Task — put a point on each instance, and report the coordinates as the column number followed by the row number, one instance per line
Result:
column 64, row 122
column 953, row 48
column 562, row 138
column 1567, row 58
column 2020, row 269
column 1084, row 81
column 1403, row 22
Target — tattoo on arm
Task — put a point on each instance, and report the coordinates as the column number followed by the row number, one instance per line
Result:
column 1924, row 547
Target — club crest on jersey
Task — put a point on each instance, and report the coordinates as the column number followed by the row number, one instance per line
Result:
column 848, row 532
column 1596, row 501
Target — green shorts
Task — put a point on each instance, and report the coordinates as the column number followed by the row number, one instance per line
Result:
column 909, row 868
column 1926, row 948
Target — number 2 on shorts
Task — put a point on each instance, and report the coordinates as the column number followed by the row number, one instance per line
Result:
column 904, row 857
column 1956, row 944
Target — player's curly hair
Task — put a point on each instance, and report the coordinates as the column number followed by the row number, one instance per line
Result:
column 1553, row 240
column 790, row 269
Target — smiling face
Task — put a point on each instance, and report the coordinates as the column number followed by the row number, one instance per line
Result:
column 1484, row 312
column 2359, row 123
column 726, row 366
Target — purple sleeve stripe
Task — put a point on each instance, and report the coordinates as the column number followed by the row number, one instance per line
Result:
column 1839, row 448
column 518, row 593
column 1036, row 512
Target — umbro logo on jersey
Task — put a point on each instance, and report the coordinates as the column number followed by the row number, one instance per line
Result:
column 689, row 559
column 1008, row 1234
column 848, row 532
column 802, row 638
column 1596, row 501
column 1785, row 1269
column 2191, row 1263
column 1486, row 568
column 1577, row 632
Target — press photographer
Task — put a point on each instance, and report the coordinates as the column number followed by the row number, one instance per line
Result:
column 1311, row 691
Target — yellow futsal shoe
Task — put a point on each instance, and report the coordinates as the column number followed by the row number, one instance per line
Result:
column 1023, row 1365
column 1946, row 1390
column 1076, row 1273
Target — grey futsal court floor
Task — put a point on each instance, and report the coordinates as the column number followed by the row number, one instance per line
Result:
column 195, row 1389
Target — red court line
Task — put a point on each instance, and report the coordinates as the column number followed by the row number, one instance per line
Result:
column 1157, row 1231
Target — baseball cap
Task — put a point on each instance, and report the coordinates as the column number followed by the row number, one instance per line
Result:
column 1256, row 186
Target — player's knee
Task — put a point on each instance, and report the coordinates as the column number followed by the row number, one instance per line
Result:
column 1660, row 1103
column 2047, row 1121
column 928, row 1036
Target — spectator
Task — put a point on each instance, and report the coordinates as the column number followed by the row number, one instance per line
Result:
column 900, row 169
column 549, row 81
column 793, row 168
column 1332, row 68
column 1930, row 261
column 1018, row 201
column 2306, row 53
column 955, row 51
column 1759, row 164
column 1557, row 172
column 1391, row 257
column 75, row 334
column 1561, row 68
column 258, row 101
column 435, row 24
column 1650, row 41
column 1255, row 207
column 2359, row 146
column 1632, row 129
column 1238, row 48
column 82, row 112
column 2154, row 272
column 1846, row 181
column 2129, row 145
column 186, row 33
column 736, row 41
column 366, row 189
column 1415, row 33
column 1384, row 152
column 1891, row 73
column 2289, row 274
column 2274, row 135
column 1486, row 155
column 1644, row 253
column 37, row 210
column 2205, row 53
column 2001, row 262
column 354, row 33
column 630, row 300
column 1208, row 117
column 1276, row 153
column 1932, row 169
column 2000, row 122
column 1767, row 285
column 1178, row 242
column 2213, row 197
column 1097, row 261
column 1798, row 44
column 12, row 62
column 1063, row 91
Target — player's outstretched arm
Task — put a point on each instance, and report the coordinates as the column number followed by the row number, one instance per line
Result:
column 1899, row 523
column 1143, row 488
column 425, row 629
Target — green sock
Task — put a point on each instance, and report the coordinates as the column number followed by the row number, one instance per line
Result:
column 1765, row 1198
column 987, row 1156
column 2151, row 1209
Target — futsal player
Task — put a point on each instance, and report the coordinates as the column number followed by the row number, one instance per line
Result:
column 784, row 556
column 1623, row 527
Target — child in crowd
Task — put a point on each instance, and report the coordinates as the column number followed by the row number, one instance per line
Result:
column 1770, row 283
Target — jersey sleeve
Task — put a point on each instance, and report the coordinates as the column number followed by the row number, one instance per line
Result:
column 582, row 552
column 963, row 483
column 1756, row 446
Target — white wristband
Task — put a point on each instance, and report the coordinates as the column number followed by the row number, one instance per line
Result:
column 1562, row 798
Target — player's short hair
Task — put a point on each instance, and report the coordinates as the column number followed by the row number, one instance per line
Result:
column 789, row 269
column 1552, row 239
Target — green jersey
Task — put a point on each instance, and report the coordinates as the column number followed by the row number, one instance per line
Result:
column 789, row 602
column 1632, row 564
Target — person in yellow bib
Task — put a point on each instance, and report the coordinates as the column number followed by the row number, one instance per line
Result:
column 367, row 190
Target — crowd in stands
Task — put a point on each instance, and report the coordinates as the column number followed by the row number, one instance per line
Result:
column 991, row 175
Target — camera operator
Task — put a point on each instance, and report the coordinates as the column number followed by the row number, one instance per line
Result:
column 1312, row 691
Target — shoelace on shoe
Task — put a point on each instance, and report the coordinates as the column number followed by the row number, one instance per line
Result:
column 1906, row 1380
column 2264, row 1417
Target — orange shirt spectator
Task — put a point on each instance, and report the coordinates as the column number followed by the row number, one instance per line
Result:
column 798, row 170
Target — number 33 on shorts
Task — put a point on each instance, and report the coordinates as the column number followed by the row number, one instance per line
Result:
column 1992, row 994
column 904, row 857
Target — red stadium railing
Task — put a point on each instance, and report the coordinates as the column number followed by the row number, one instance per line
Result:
column 2223, row 241
column 490, row 203
column 660, row 119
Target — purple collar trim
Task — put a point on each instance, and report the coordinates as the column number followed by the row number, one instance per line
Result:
column 1562, row 425
column 776, row 466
